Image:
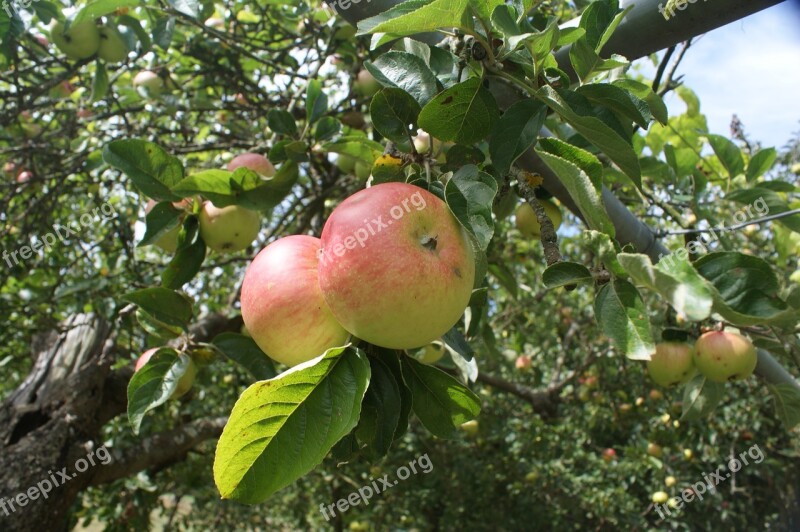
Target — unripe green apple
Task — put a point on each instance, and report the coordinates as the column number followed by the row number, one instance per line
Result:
column 185, row 382
column 402, row 243
column 346, row 163
column 671, row 364
column 282, row 304
column 431, row 353
column 470, row 427
column 653, row 449
column 229, row 229
column 723, row 356
column 795, row 277
column 366, row 84
column 670, row 481
column 148, row 83
column 253, row 161
column 80, row 41
column 528, row 223
column 660, row 497
column 362, row 170
column 113, row 48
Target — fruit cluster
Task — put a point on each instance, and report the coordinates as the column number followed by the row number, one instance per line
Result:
column 86, row 39
column 393, row 267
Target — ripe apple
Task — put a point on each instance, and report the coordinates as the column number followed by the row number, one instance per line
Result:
column 723, row 356
column 660, row 497
column 253, row 161
column 656, row 395
column 113, row 48
column 528, row 223
column 523, row 363
column 229, row 229
column 470, row 427
column 80, row 41
column 24, row 176
column 10, row 168
column 366, row 84
column 654, row 449
column 282, row 304
column 609, row 454
column 671, row 364
column 185, row 382
column 432, row 353
column 148, row 83
column 400, row 242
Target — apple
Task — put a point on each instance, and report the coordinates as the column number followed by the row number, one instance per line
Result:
column 84, row 113
column 528, row 223
column 42, row 40
column 671, row 364
column 346, row 163
column 282, row 304
column 532, row 477
column 653, row 449
column 113, row 48
column 80, row 41
column 229, row 229
column 724, row 356
column 688, row 454
column 362, row 170
column 470, row 427
column 432, row 353
column 253, row 161
column 216, row 23
column 184, row 383
column 670, row 481
column 366, row 84
column 10, row 168
column 795, row 277
column 397, row 268
column 625, row 408
column 656, row 395
column 660, row 497
column 148, row 83
column 353, row 119
column 609, row 454
column 63, row 90
column 24, row 176
column 523, row 363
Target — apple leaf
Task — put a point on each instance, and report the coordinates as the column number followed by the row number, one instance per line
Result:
column 440, row 402
column 280, row 429
column 99, row 83
column 565, row 274
column 767, row 201
column 728, row 153
column 700, row 397
column 99, row 8
column 245, row 352
column 464, row 113
column 622, row 315
column 515, row 133
column 760, row 163
column 156, row 328
column 151, row 169
column 405, row 71
column 787, row 403
column 675, row 279
column 184, row 265
column 161, row 219
column 456, row 342
column 282, row 122
column 165, row 305
column 380, row 411
column 470, row 194
column 419, row 17
column 394, row 114
column 154, row 383
column 316, row 101
column 619, row 100
column 360, row 147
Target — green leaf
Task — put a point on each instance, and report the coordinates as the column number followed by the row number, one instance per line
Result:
column 760, row 163
column 440, row 402
column 464, row 113
column 787, row 403
column 394, row 114
column 644, row 92
column 380, row 410
column 470, row 194
column 606, row 250
column 327, row 128
column 316, row 101
column 282, row 122
column 246, row 353
column 456, row 341
column 187, row 7
column 700, row 398
column 582, row 174
column 136, row 26
column 598, row 133
column 618, row 100
column 156, row 328
column 596, row 19
column 368, row 25
column 420, row 18
column 280, row 429
column 154, row 383
column 99, row 83
column 622, row 315
column 565, row 274
column 728, row 153
column 161, row 219
column 392, row 361
column 163, row 304
column 405, row 71
column 675, row 279
column 163, row 30
column 99, row 8
column 184, row 265
column 151, row 169
column 515, row 133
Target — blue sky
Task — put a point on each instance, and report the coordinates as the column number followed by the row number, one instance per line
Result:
column 750, row 68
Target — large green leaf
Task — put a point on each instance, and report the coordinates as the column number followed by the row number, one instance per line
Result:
column 760, row 201
column 154, row 383
column 424, row 17
column 380, row 411
column 515, row 133
column 394, row 114
column 464, row 113
column 98, row 8
column 161, row 219
column 622, row 315
column 470, row 194
column 280, row 429
column 728, row 153
column 787, row 403
column 405, row 71
column 167, row 306
column 150, row 168
column 566, row 273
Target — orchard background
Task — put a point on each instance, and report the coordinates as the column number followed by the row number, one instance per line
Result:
column 572, row 433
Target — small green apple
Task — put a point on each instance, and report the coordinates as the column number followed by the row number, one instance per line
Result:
column 671, row 364
column 113, row 48
column 366, row 84
column 470, row 427
column 724, row 356
column 528, row 223
column 670, row 481
column 148, row 83
column 79, row 41
column 431, row 353
column 229, row 229
column 363, row 170
column 660, row 497
column 346, row 163
column 655, row 450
